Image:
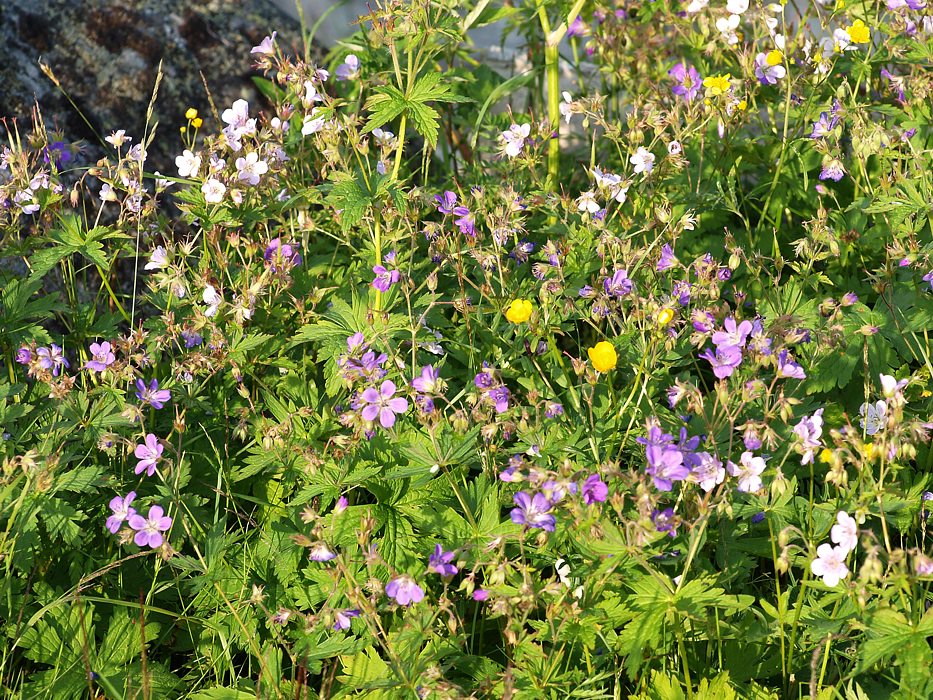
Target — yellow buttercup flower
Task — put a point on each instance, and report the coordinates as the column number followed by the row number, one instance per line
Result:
column 665, row 316
column 192, row 113
column 742, row 105
column 519, row 311
column 196, row 122
column 603, row 356
column 868, row 450
column 858, row 32
column 774, row 58
column 826, row 456
column 717, row 84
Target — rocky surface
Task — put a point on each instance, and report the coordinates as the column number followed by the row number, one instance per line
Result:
column 106, row 53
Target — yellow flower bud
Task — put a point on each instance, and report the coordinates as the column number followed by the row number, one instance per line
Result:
column 665, row 316
column 192, row 113
column 519, row 311
column 196, row 122
column 603, row 356
column 183, row 129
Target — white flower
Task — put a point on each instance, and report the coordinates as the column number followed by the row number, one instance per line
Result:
column 213, row 191
column 311, row 123
column 566, row 107
column 890, row 387
column 708, row 473
column 188, row 164
column 212, row 298
column 383, row 138
column 845, row 531
column 250, row 168
column 238, row 118
column 311, row 94
column 643, row 160
column 563, row 573
column 157, row 260
column 118, row 138
column 107, row 194
column 830, row 564
column 696, row 5
column 748, row 472
column 349, row 69
column 727, row 27
column 873, row 416
column 737, row 7
column 514, row 139
column 587, row 202
column 674, row 148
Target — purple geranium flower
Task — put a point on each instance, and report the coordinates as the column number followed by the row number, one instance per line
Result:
column 24, row 356
column 281, row 254
column 665, row 521
column 343, row 619
column 823, row 126
column 786, row 367
column 152, row 394
column 667, row 259
column 619, row 284
column 665, row 460
column 319, row 551
column 149, row 529
column 404, row 590
column 533, row 511
column 446, row 202
column 440, row 562
column 52, row 358
column 500, row 398
column 594, row 490
column 384, row 278
column 808, row 432
column 101, row 357
column 724, row 361
column 380, row 403
column 832, row 170
column 928, row 278
column 121, row 511
column 465, row 222
column 734, row 334
column 687, row 79
column 149, row 452
column 427, row 382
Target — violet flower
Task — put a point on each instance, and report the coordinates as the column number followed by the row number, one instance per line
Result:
column 343, row 618
column 440, row 562
column 149, row 452
column 533, row 511
column 284, row 254
column 121, row 511
column 594, row 490
column 687, row 79
column 404, row 590
column 101, row 357
column 152, row 395
column 52, row 358
column 724, row 361
column 380, row 403
column 384, row 278
column 149, row 529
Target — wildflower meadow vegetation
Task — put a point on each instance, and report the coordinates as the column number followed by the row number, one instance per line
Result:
column 607, row 379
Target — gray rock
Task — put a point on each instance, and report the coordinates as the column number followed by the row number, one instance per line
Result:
column 106, row 53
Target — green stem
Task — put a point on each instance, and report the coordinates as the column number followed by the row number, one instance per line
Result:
column 552, row 85
column 401, row 145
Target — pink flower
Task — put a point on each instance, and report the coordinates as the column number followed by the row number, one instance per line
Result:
column 121, row 511
column 404, row 590
column 149, row 530
column 149, row 452
column 380, row 403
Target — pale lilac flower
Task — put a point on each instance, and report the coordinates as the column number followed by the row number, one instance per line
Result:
column 688, row 81
column 566, row 106
column 734, row 334
column 514, row 139
column 384, row 138
column 52, row 358
column 766, row 72
column 213, row 191
column 724, row 361
column 440, row 562
column 643, row 160
column 808, row 432
column 830, row 564
column 404, row 590
column 832, row 170
column 349, row 69
column 266, row 47
column 748, row 472
column 674, row 148
column 118, row 138
column 188, row 164
column 101, row 357
column 533, row 511
column 342, row 621
column 320, row 552
column 121, row 511
column 158, row 259
column 823, row 126
column 586, row 202
column 238, row 120
column 890, row 387
column 149, row 452
column 380, row 403
column 212, row 298
column 707, row 471
column 250, row 169
column 923, row 565
column 480, row 595
column 873, row 416
column 845, row 531
column 152, row 394
column 787, row 368
column 149, row 529
column 428, row 382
